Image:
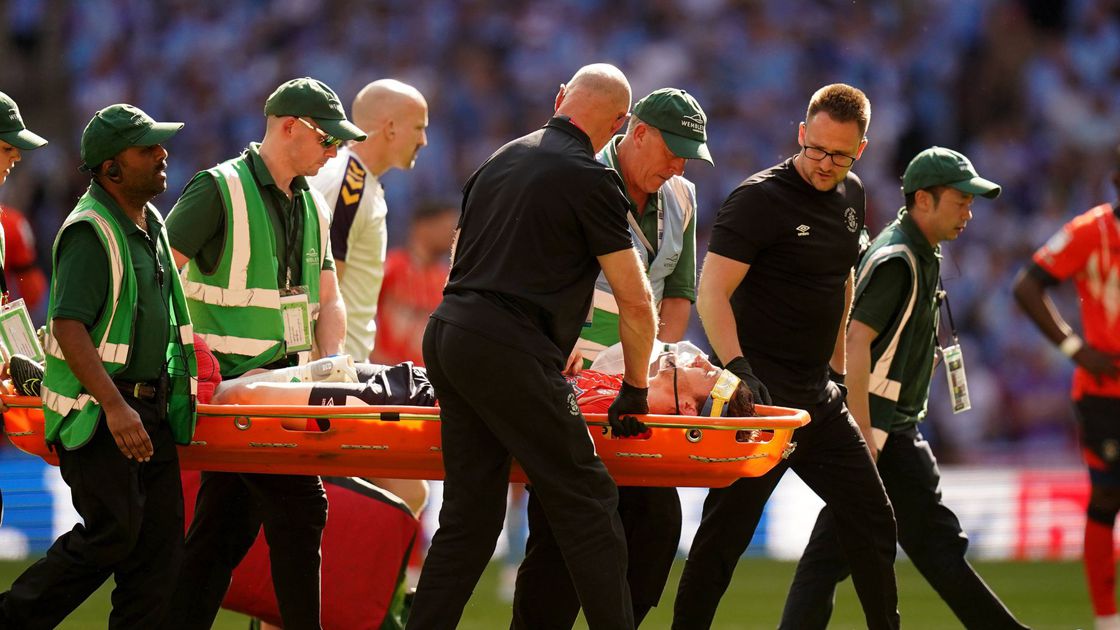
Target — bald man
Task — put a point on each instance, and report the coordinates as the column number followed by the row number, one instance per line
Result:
column 394, row 116
column 540, row 218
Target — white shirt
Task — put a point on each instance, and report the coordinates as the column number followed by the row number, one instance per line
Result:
column 358, row 237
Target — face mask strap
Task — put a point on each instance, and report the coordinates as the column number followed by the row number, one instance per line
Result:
column 716, row 404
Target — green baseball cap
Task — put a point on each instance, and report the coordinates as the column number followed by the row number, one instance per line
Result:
column 938, row 166
column 315, row 100
column 681, row 121
column 118, row 127
column 12, row 129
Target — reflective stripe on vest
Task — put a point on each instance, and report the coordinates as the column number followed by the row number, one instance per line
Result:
column 236, row 308
column 70, row 412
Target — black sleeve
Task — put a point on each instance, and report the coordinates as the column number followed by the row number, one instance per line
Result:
column 1043, row 277
column 603, row 216
column 744, row 225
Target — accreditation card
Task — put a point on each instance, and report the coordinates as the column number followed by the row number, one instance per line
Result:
column 954, row 371
column 17, row 335
column 296, row 312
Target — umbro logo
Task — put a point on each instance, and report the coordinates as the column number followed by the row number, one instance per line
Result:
column 803, row 230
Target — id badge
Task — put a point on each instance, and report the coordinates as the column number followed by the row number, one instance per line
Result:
column 17, row 334
column 296, row 313
column 954, row 371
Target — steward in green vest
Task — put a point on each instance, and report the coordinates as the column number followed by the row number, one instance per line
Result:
column 141, row 330
column 262, row 292
column 118, row 387
column 891, row 341
column 667, row 128
column 236, row 302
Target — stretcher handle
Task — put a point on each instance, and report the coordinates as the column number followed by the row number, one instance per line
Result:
column 772, row 418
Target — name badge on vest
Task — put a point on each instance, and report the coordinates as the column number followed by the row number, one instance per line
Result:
column 954, row 371
column 296, row 313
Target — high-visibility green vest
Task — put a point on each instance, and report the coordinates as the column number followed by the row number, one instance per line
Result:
column 71, row 413
column 236, row 308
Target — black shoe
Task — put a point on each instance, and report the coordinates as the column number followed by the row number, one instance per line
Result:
column 27, row 375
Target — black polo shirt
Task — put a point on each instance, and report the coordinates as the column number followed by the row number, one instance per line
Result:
column 801, row 244
column 535, row 217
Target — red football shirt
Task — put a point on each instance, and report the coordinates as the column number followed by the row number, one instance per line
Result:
column 1087, row 249
column 595, row 391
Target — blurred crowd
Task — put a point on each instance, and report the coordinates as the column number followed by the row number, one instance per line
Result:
column 1029, row 89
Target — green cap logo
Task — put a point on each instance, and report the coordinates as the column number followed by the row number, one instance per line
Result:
column 681, row 121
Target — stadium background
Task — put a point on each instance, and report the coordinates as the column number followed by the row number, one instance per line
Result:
column 1029, row 89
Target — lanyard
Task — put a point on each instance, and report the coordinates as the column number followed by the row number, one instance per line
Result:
column 630, row 218
column 293, row 227
column 943, row 298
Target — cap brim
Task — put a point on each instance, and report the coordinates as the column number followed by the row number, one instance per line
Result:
column 342, row 129
column 978, row 186
column 23, row 139
column 158, row 134
column 687, row 147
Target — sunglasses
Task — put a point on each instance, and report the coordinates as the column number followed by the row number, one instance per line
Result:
column 325, row 139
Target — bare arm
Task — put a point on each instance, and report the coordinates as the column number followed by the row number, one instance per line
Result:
column 1032, row 298
column 123, row 421
column 330, row 326
column 718, row 280
column 674, row 319
column 837, row 362
column 339, row 268
column 858, row 380
column 636, row 320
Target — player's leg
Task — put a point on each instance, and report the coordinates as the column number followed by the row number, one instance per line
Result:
column 1100, row 439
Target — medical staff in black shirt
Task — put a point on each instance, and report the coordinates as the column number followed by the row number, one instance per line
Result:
column 540, row 218
column 774, row 296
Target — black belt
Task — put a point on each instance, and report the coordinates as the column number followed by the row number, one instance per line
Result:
column 139, row 391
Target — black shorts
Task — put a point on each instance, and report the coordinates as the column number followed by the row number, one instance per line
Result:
column 1100, row 438
column 401, row 384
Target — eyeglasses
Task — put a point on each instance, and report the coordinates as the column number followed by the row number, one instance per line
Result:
column 325, row 139
column 817, row 154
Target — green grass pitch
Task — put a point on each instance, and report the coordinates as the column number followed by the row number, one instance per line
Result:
column 1044, row 595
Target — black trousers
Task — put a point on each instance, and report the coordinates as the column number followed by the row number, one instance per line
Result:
column 832, row 459
column 133, row 530
column 230, row 511
column 928, row 531
column 651, row 518
column 497, row 402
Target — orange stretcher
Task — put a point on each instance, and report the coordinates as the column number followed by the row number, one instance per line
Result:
column 404, row 443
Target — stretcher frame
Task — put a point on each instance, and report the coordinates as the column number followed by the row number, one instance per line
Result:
column 404, row 443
